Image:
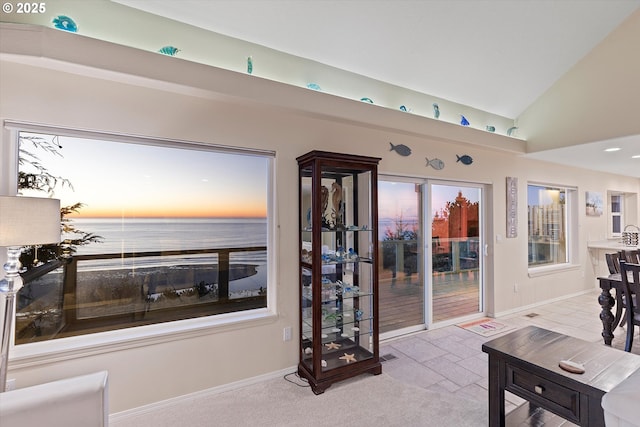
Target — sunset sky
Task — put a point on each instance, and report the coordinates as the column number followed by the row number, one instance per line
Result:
column 115, row 179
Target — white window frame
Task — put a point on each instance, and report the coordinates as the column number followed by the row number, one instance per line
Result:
column 571, row 220
column 612, row 214
column 30, row 354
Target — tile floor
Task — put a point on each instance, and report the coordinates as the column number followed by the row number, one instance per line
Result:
column 450, row 359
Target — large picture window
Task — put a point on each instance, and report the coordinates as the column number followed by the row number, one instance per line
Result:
column 549, row 224
column 153, row 232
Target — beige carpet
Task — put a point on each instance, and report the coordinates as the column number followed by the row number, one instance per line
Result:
column 364, row 401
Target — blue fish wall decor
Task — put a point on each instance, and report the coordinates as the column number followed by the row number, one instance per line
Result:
column 169, row 50
column 464, row 121
column 401, row 149
column 63, row 22
column 464, row 159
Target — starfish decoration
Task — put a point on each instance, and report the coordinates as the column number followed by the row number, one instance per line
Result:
column 348, row 357
column 332, row 346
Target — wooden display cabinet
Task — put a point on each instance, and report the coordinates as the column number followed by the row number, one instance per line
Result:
column 338, row 267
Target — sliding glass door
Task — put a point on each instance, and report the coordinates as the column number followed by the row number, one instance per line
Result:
column 401, row 278
column 457, row 250
column 431, row 252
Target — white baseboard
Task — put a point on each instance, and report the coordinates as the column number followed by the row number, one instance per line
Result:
column 539, row 303
column 141, row 410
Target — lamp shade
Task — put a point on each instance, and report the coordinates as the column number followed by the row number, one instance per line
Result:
column 26, row 221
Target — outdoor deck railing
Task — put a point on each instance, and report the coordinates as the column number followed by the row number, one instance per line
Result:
column 66, row 305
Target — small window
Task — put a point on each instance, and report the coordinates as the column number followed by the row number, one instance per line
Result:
column 153, row 232
column 549, row 233
column 616, row 201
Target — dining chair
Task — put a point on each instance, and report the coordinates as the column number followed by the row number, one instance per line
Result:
column 613, row 263
column 631, row 288
column 631, row 256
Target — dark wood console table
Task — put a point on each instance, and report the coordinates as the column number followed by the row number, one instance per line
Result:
column 525, row 363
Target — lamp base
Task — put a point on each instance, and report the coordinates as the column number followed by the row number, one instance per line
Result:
column 9, row 287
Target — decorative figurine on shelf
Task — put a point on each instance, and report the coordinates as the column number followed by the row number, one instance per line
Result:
column 491, row 128
column 358, row 314
column 314, row 86
column 169, row 50
column 464, row 121
column 352, row 254
column 369, row 100
column 348, row 357
column 63, row 22
column 249, row 65
column 436, row 111
column 324, row 197
column 336, row 201
column 340, row 253
column 332, row 346
column 511, row 130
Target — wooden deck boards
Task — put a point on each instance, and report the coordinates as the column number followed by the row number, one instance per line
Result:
column 402, row 299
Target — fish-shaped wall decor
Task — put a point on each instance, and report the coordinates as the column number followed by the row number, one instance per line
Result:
column 437, row 164
column 464, row 121
column 464, row 159
column 63, row 22
column 401, row 149
column 169, row 50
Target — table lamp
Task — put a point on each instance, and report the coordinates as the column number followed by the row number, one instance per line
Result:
column 24, row 221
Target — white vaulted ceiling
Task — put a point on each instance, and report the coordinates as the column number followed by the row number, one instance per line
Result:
column 514, row 58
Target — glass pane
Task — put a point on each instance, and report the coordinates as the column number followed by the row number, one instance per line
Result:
column 616, row 203
column 456, row 253
column 401, row 277
column 616, row 224
column 547, row 225
column 153, row 233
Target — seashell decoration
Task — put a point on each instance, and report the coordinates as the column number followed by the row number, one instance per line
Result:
column 169, row 50
column 63, row 22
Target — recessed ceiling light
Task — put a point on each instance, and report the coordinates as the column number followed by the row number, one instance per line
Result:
column 637, row 156
column 609, row 150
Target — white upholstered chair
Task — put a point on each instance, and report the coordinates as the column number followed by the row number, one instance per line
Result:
column 78, row 401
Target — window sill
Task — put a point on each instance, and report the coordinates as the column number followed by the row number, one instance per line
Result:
column 35, row 354
column 552, row 269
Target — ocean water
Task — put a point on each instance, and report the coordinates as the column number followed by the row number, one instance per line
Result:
column 154, row 234
column 175, row 234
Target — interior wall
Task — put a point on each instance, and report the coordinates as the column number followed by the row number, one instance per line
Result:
column 146, row 374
